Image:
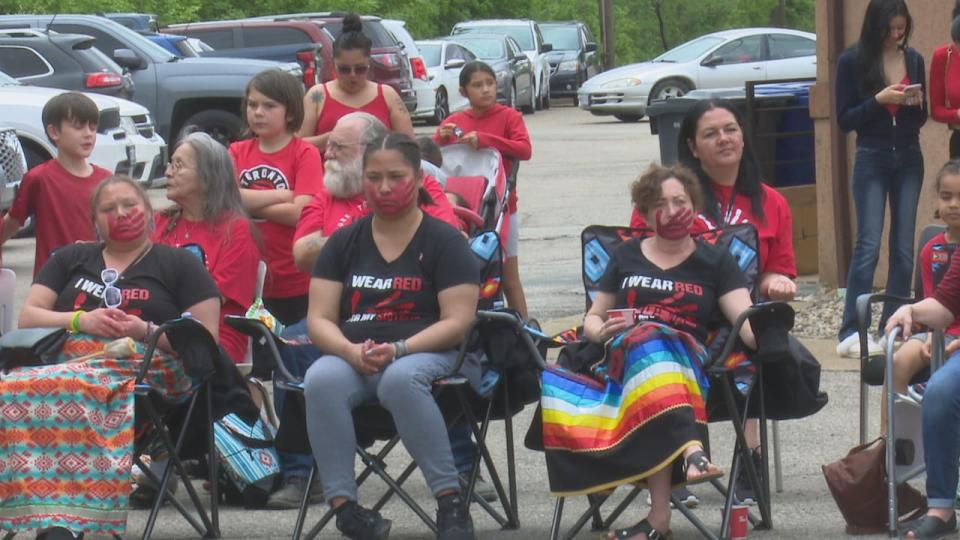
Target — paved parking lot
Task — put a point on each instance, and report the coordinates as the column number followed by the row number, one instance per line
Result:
column 579, row 174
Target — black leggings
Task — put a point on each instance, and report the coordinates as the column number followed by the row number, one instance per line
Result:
column 954, row 144
column 287, row 310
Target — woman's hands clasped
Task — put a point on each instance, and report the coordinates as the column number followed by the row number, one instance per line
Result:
column 112, row 323
column 369, row 357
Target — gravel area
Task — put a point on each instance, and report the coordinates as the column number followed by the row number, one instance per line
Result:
column 819, row 312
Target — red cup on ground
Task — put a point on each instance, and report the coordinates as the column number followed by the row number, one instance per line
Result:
column 628, row 313
column 739, row 522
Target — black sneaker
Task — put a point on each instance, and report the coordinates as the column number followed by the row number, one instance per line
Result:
column 453, row 519
column 359, row 523
column 743, row 491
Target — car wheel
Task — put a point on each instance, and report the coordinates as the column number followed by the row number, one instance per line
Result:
column 628, row 117
column 529, row 107
column 441, row 109
column 546, row 93
column 222, row 125
column 669, row 89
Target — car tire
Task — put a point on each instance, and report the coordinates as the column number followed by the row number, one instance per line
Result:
column 546, row 96
column 441, row 108
column 528, row 108
column 669, row 88
column 628, row 117
column 224, row 126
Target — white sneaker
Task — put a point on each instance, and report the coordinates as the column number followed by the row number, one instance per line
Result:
column 850, row 346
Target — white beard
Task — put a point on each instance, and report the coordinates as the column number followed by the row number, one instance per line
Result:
column 343, row 181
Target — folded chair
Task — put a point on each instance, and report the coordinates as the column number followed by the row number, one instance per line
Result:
column 904, row 449
column 167, row 425
column 457, row 400
column 741, row 240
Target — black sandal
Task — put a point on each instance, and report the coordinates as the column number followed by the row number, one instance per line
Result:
column 932, row 527
column 643, row 527
column 699, row 460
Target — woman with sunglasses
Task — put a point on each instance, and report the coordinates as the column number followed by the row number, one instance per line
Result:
column 73, row 434
column 351, row 91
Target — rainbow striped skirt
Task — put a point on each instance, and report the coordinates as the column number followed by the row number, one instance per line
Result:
column 632, row 417
column 66, row 437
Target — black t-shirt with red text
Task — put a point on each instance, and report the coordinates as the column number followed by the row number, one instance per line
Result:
column 162, row 285
column 391, row 301
column 683, row 297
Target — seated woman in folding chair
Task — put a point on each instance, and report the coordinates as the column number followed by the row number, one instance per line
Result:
column 68, row 448
column 391, row 297
column 643, row 417
column 941, row 407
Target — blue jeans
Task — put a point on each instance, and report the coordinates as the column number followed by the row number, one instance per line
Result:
column 297, row 358
column 879, row 175
column 941, row 433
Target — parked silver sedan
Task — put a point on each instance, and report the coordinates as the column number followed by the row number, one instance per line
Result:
column 718, row 60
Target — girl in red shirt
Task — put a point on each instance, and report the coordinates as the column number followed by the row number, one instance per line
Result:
column 945, row 85
column 279, row 174
column 487, row 124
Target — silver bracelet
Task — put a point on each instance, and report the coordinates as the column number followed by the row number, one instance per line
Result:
column 399, row 348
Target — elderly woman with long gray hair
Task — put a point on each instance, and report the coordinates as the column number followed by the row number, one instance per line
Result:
column 208, row 220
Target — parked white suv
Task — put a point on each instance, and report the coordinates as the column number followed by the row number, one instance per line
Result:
column 527, row 34
column 126, row 141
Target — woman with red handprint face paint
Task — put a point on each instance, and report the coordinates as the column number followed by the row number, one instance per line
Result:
column 657, row 301
column 123, row 286
column 391, row 297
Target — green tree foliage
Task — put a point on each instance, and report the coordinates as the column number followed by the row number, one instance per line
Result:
column 636, row 27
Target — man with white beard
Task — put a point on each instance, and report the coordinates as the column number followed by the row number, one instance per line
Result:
column 342, row 202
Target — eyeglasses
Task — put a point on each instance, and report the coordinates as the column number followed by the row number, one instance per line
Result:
column 178, row 165
column 340, row 147
column 112, row 297
column 359, row 69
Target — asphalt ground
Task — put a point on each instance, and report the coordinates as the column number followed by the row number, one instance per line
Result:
column 579, row 175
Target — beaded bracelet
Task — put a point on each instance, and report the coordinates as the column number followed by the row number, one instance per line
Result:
column 399, row 348
column 74, row 326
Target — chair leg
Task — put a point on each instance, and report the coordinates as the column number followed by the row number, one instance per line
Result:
column 695, row 521
column 557, row 517
column 480, row 434
column 213, row 464
column 511, row 461
column 396, row 489
column 620, row 508
column 864, row 411
column 777, row 462
column 304, row 503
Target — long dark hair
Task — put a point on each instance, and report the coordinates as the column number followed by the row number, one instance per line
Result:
column 748, row 177
column 875, row 29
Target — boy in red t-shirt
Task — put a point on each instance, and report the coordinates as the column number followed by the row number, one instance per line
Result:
column 57, row 192
column 487, row 124
column 279, row 174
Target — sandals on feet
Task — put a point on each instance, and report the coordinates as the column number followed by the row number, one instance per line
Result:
column 699, row 460
column 644, row 527
column 932, row 527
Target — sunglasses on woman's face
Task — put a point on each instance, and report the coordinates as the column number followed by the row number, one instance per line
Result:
column 359, row 69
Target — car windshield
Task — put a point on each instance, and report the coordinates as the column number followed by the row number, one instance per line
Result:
column 562, row 37
column 690, row 50
column 522, row 34
column 431, row 55
column 485, row 49
column 6, row 80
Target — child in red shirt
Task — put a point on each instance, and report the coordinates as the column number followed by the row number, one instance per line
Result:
column 279, row 174
column 70, row 121
column 487, row 124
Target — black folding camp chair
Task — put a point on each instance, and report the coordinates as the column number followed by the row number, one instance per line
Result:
column 457, row 401
column 726, row 401
column 196, row 347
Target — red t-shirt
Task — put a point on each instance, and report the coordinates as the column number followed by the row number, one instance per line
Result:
column 500, row 128
column 231, row 256
column 934, row 260
column 944, row 83
column 328, row 213
column 775, row 231
column 296, row 166
column 60, row 204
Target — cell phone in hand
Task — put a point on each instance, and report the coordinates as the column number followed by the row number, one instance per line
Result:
column 913, row 88
column 457, row 132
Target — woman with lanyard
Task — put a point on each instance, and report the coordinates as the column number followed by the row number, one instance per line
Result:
column 711, row 142
column 945, row 85
column 351, row 91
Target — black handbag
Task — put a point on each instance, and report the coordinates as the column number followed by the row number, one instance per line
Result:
column 30, row 347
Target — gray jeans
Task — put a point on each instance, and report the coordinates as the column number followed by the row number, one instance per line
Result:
column 334, row 389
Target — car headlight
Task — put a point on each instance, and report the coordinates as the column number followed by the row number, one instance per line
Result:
column 128, row 125
column 569, row 65
column 621, row 83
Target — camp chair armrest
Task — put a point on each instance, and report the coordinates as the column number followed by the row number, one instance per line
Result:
column 864, row 308
column 188, row 328
column 769, row 311
column 508, row 317
column 257, row 330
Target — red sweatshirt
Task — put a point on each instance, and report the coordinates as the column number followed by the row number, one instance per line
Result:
column 945, row 83
column 500, row 128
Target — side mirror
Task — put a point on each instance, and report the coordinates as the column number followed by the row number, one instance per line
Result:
column 128, row 59
column 712, row 61
column 546, row 47
column 590, row 47
column 455, row 63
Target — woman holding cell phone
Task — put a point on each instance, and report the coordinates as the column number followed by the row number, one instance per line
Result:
column 880, row 95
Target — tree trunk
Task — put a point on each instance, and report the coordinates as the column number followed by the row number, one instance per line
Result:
column 663, row 35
